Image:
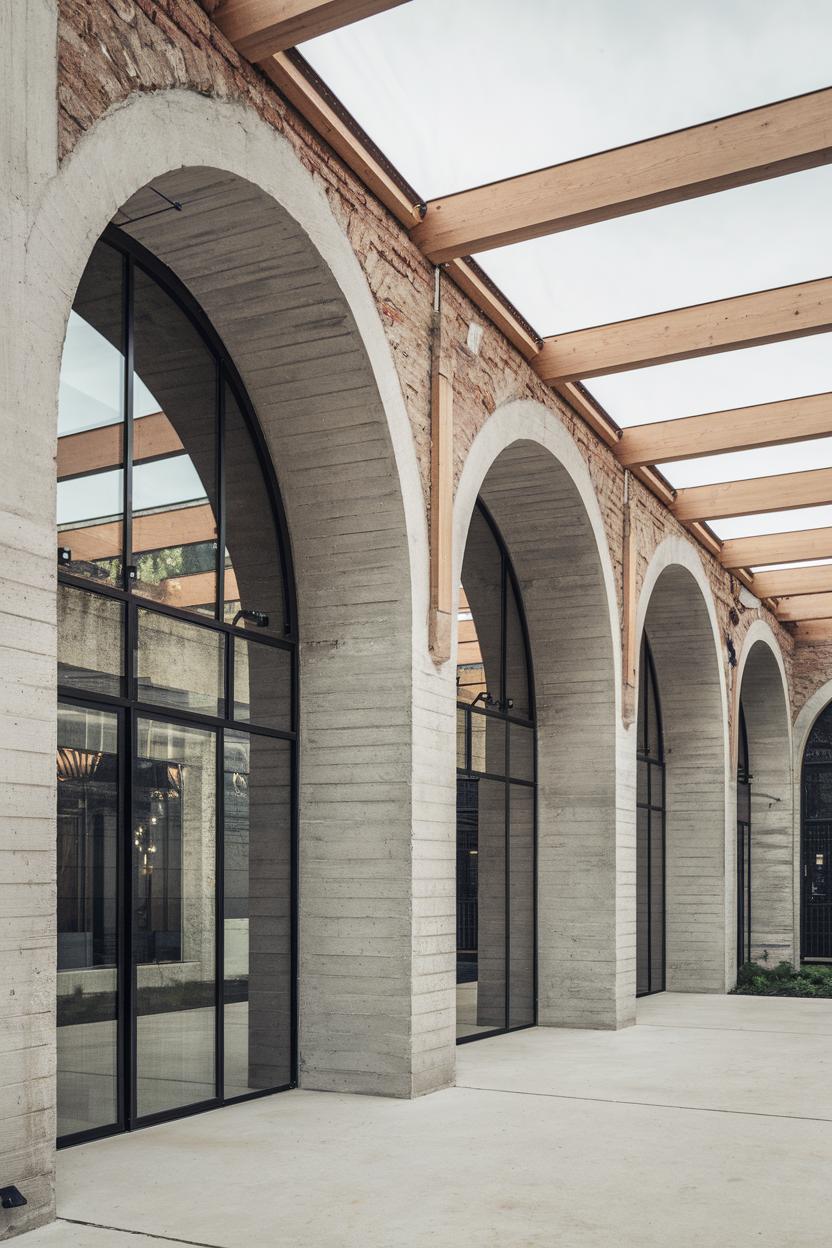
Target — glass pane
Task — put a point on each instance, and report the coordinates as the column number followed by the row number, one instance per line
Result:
column 482, row 585
column 522, row 752
column 87, row 885
column 654, row 742
column 470, row 674
column 488, row 744
column 175, row 473
column 253, row 573
column 819, row 747
column 90, row 641
column 481, row 906
column 517, row 671
column 656, row 903
column 174, row 882
column 817, row 792
column 642, row 782
column 91, row 425
column 521, row 906
column 461, row 739
column 657, row 786
column 257, row 916
column 642, row 901
column 180, row 664
column 262, row 684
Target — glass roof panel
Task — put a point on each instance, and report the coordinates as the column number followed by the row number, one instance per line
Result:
column 779, row 567
column 461, row 93
column 774, row 522
column 781, row 370
column 764, row 461
column 754, row 237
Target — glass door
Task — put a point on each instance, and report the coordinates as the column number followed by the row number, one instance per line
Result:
column 174, row 945
column 88, row 873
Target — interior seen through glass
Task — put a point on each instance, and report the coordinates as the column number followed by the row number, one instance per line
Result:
column 176, row 725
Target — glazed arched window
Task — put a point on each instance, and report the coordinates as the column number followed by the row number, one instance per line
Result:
column 496, row 974
column 743, row 844
column 816, row 842
column 177, row 715
column 650, row 833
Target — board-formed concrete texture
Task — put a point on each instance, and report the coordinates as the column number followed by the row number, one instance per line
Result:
column 327, row 308
column 687, row 1128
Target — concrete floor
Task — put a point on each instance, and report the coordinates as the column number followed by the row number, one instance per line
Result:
column 708, row 1123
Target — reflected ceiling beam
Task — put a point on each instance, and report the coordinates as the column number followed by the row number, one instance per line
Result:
column 748, row 552
column 96, row 450
column 805, row 607
column 684, row 333
column 788, row 581
column 753, row 146
column 757, row 495
column 198, row 589
column 181, row 526
column 735, row 429
column 259, row 28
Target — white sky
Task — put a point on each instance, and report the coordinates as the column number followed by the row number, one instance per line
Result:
column 461, row 92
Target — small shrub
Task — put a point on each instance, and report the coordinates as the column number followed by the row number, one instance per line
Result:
column 783, row 980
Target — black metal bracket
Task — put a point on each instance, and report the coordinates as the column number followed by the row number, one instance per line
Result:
column 11, row 1198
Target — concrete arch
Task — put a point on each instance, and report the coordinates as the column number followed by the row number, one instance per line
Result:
column 762, row 688
column 677, row 611
column 260, row 249
column 536, row 485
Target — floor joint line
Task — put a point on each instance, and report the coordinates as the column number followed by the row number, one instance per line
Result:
column 127, row 1230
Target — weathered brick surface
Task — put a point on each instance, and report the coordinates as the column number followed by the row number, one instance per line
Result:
column 111, row 48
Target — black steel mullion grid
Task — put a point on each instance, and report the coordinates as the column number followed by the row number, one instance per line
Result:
column 129, row 710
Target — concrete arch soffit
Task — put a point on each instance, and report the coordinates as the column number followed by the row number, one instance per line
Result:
column 676, row 552
column 525, row 420
column 156, row 133
column 761, row 633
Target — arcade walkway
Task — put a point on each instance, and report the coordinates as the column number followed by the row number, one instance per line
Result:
column 708, row 1122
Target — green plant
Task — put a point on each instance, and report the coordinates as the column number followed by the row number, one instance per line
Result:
column 784, row 981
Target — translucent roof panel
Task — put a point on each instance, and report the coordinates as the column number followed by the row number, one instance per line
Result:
column 754, row 237
column 463, row 92
column 741, row 465
column 774, row 522
column 780, row 370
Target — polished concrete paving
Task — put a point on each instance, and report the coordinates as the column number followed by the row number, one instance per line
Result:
column 710, row 1122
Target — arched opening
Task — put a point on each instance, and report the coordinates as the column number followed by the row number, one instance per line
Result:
column 686, row 670
column 496, row 751
column 650, row 833
column 177, row 719
column 816, row 843
column 765, row 864
column 531, row 478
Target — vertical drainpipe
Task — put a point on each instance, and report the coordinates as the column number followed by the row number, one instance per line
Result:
column 628, row 632
column 441, row 487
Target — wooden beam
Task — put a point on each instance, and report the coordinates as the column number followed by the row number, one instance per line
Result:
column 733, row 151
column 96, row 450
column 748, row 552
column 305, row 91
column 736, row 429
column 470, row 278
column 759, row 494
column 684, row 333
column 790, row 581
column 259, row 28
column 441, row 490
column 813, row 631
column 805, row 607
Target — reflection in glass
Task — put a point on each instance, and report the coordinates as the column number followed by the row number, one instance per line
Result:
column 253, row 577
column 174, row 883
column 522, row 752
column 517, row 670
column 175, row 488
column 650, row 846
column 87, row 876
column 91, row 425
column 481, row 907
column 482, row 587
column 257, row 929
column 179, row 664
column 262, row 684
column 90, row 641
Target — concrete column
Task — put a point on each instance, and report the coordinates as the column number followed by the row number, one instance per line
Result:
column 28, row 135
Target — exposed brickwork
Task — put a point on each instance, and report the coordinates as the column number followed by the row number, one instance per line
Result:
column 112, row 48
